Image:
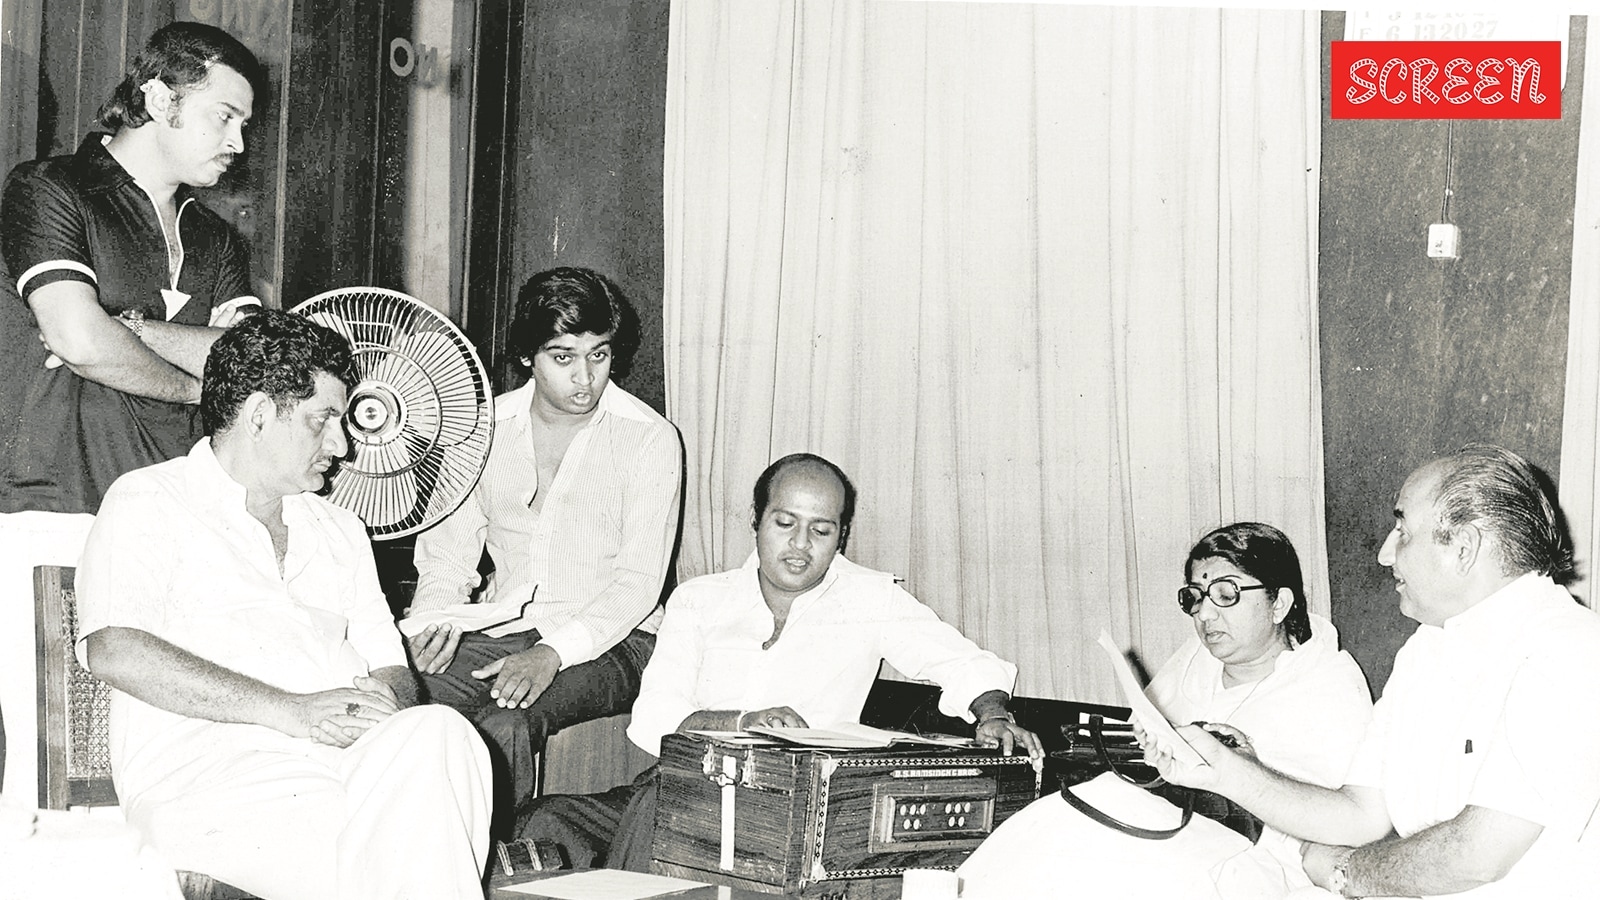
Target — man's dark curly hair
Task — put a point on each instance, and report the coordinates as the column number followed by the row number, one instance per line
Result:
column 181, row 55
column 274, row 352
column 570, row 300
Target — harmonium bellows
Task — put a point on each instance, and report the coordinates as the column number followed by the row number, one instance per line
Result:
column 823, row 823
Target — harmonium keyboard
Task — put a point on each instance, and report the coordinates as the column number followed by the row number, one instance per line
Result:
column 826, row 824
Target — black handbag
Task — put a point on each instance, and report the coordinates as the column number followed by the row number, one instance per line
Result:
column 1098, row 746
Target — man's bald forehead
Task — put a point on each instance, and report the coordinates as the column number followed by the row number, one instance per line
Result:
column 801, row 468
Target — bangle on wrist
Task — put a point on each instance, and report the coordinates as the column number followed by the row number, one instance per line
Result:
column 1002, row 717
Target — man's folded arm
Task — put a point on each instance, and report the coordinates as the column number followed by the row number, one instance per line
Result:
column 184, row 346
column 77, row 329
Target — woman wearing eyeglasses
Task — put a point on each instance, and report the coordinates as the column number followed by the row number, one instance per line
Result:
column 1261, row 669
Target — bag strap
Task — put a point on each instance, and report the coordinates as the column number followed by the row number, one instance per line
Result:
column 1149, row 834
column 1096, row 734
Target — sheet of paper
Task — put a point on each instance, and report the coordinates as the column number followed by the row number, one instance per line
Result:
column 936, row 740
column 853, row 735
column 738, row 737
column 467, row 616
column 823, row 737
column 1149, row 718
column 610, row 884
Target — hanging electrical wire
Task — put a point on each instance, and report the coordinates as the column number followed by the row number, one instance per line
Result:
column 1449, row 169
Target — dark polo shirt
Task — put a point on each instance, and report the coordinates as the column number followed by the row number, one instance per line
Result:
column 64, row 439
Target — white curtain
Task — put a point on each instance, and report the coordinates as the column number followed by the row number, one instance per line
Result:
column 1580, row 428
column 1040, row 278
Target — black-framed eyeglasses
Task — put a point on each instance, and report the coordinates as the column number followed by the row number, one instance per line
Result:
column 1224, row 592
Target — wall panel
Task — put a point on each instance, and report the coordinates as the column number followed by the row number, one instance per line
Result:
column 1420, row 356
column 590, row 150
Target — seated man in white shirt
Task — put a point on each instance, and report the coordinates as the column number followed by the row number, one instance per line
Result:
column 578, row 509
column 793, row 638
column 263, row 726
column 1479, row 775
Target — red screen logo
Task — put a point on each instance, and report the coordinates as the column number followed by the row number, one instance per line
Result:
column 1446, row 80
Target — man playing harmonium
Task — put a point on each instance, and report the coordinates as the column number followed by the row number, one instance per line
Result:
column 793, row 638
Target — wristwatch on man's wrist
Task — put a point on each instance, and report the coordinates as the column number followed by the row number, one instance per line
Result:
column 1339, row 879
column 134, row 319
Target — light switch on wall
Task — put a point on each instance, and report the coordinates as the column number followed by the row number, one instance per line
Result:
column 1444, row 241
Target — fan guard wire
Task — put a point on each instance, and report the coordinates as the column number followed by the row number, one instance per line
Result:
column 420, row 418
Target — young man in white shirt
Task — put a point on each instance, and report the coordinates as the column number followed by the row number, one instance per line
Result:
column 578, row 508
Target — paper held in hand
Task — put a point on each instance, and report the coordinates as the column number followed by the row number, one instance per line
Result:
column 1145, row 712
column 467, row 616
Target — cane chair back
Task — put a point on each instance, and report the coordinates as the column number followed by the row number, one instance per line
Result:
column 74, row 706
column 75, row 715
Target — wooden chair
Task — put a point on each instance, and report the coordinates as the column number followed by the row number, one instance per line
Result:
column 74, row 717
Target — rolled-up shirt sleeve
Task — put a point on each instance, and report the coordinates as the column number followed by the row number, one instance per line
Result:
column 923, row 646
column 667, row 688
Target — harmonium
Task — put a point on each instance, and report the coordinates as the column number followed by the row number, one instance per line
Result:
column 826, row 824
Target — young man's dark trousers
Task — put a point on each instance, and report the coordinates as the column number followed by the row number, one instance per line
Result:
column 604, row 686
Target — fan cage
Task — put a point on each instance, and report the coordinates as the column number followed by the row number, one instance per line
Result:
column 421, row 415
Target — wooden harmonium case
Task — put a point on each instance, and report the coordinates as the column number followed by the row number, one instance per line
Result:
column 766, row 816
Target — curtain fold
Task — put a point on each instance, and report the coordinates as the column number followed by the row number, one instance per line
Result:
column 1040, row 278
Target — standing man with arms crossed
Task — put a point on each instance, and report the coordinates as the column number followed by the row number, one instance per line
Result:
column 114, row 283
column 578, row 508
column 263, row 726
column 1480, row 772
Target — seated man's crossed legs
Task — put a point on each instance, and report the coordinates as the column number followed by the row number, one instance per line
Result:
column 605, row 686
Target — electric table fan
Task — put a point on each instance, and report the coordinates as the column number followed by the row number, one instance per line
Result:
column 421, row 416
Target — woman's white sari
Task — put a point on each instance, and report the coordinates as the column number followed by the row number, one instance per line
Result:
column 1305, row 720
